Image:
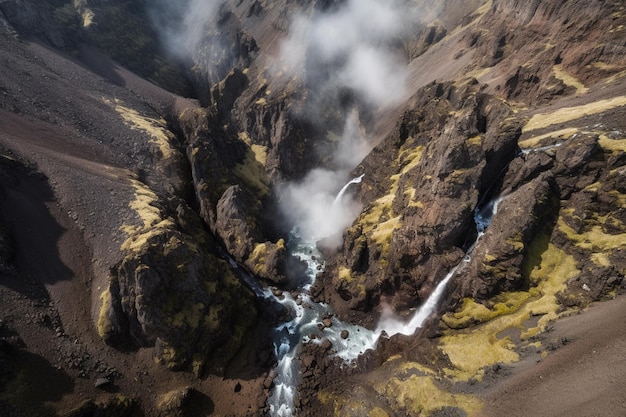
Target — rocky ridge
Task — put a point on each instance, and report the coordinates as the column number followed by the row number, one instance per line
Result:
column 526, row 108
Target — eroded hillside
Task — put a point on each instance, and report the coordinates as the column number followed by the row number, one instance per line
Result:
column 155, row 158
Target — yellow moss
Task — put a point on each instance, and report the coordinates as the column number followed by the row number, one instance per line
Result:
column 156, row 128
column 86, row 13
column 477, row 347
column 213, row 317
column 150, row 216
column 189, row 316
column 383, row 231
column 551, row 276
column 393, row 358
column 260, row 153
column 378, row 412
column 411, row 367
column 471, row 352
column 601, row 259
column 537, row 141
column 476, row 140
column 104, row 324
column 613, row 145
column 567, row 114
column 377, row 221
column 568, row 79
column 252, row 172
column 419, row 395
column 257, row 258
column 593, row 238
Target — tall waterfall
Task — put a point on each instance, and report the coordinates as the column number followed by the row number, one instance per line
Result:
column 289, row 337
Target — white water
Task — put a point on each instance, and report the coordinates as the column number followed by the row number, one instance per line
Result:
column 289, row 336
column 345, row 188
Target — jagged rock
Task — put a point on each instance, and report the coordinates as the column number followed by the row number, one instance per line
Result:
column 102, row 382
column 235, row 221
column 497, row 260
column 419, row 210
column 112, row 407
column 180, row 402
column 170, row 293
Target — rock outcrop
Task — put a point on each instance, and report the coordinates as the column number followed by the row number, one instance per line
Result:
column 142, row 176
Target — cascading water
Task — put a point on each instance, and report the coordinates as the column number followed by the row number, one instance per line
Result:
column 345, row 188
column 288, row 337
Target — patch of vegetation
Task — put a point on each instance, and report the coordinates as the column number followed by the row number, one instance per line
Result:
column 568, row 79
column 567, row 114
column 477, row 344
column 593, row 237
column 377, row 221
column 104, row 322
column 538, row 141
column 150, row 215
column 253, row 174
column 615, row 146
column 162, row 138
column 419, row 395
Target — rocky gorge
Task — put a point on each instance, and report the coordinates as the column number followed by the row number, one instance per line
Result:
column 157, row 157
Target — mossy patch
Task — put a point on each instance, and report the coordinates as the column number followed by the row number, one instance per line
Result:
column 155, row 128
column 252, row 173
column 378, row 220
column 568, row 79
column 419, row 395
column 257, row 258
column 538, row 141
column 478, row 345
column 150, row 216
column 592, row 237
column 104, row 322
column 614, row 146
column 567, row 114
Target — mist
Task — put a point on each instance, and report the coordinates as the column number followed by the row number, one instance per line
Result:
column 182, row 24
column 355, row 50
column 351, row 47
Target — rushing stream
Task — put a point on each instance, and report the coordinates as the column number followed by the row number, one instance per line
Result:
column 306, row 315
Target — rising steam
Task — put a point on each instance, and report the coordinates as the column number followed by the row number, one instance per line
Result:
column 182, row 24
column 350, row 48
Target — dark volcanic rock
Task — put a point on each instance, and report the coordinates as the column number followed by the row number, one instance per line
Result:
column 497, row 260
column 419, row 212
column 169, row 292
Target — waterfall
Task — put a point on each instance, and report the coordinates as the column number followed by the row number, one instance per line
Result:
column 392, row 326
column 345, row 188
column 288, row 337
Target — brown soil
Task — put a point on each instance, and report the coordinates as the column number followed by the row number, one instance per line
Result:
column 64, row 213
column 583, row 377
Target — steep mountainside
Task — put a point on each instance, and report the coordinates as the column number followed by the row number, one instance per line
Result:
column 158, row 161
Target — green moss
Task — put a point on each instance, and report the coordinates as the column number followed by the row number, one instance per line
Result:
column 378, row 221
column 593, row 237
column 478, row 345
column 253, row 174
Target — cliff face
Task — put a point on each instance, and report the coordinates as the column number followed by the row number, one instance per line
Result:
column 237, row 119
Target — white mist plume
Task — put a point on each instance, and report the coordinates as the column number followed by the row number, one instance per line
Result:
column 350, row 48
column 182, row 24
column 312, row 205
